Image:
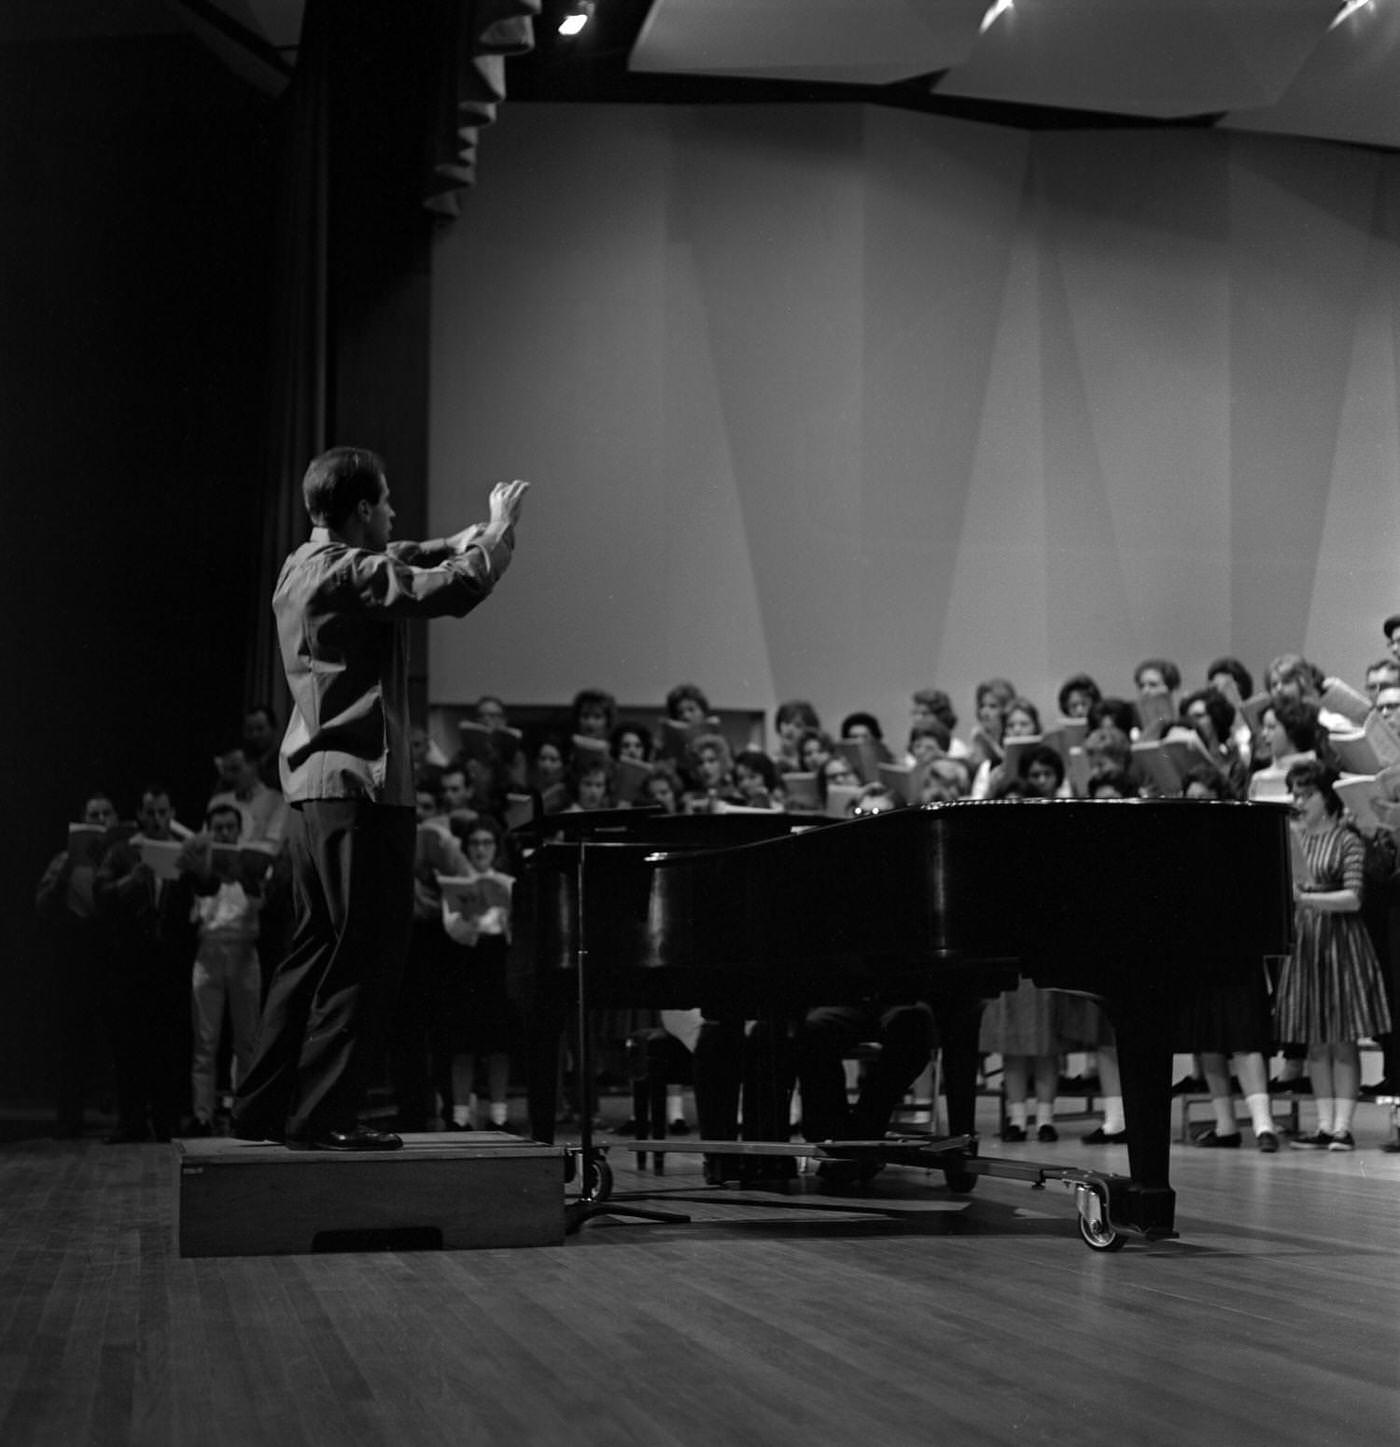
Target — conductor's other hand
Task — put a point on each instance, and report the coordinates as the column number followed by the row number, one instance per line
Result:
column 506, row 501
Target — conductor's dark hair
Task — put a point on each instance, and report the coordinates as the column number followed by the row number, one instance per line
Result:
column 262, row 708
column 339, row 480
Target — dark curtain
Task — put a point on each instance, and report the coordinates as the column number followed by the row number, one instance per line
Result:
column 379, row 140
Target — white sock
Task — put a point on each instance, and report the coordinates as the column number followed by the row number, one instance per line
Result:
column 1224, row 1108
column 1341, row 1121
column 461, row 1115
column 675, row 1107
column 1044, row 1113
column 499, row 1113
column 1326, row 1114
column 1016, row 1113
column 1261, row 1117
column 1113, row 1122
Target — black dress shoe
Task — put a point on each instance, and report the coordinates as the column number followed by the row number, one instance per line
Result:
column 1101, row 1137
column 361, row 1138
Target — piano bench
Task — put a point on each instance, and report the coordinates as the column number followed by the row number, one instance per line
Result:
column 1188, row 1102
column 656, row 1060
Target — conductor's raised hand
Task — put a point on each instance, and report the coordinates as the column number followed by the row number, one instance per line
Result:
column 506, row 501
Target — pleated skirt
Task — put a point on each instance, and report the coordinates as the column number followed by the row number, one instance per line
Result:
column 1331, row 991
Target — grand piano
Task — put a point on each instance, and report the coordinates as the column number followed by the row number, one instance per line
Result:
column 1141, row 903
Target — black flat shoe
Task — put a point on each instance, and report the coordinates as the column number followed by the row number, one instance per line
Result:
column 1101, row 1137
column 1013, row 1134
column 1213, row 1140
column 362, row 1138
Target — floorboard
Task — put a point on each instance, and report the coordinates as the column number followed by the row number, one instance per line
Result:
column 902, row 1316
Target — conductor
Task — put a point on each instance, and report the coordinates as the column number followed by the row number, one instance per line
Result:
column 342, row 605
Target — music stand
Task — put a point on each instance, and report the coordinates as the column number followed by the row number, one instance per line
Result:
column 589, row 1205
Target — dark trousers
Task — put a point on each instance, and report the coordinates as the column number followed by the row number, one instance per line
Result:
column 77, row 976
column 831, row 1032
column 415, row 1015
column 146, row 1002
column 323, row 1025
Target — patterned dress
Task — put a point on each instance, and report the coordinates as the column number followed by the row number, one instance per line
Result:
column 1331, row 991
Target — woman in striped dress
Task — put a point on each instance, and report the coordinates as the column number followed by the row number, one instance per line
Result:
column 1331, row 993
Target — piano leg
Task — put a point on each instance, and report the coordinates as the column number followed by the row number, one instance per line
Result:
column 1144, row 1023
column 958, row 1016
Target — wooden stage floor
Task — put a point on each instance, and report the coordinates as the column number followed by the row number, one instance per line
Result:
column 916, row 1318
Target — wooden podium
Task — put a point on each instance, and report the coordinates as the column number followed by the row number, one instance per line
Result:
column 456, row 1192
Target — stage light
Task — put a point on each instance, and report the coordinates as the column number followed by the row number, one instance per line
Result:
column 579, row 15
column 1348, row 10
column 995, row 11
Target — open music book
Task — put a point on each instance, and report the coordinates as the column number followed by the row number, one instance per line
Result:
column 246, row 864
column 802, row 791
column 1154, row 710
column 475, row 894
column 839, row 798
column 493, row 746
column 1167, row 761
column 865, row 756
column 520, row 810
column 1342, row 698
column 1369, row 749
column 1364, row 798
column 904, row 781
column 160, row 855
column 587, row 748
column 630, row 778
column 676, row 737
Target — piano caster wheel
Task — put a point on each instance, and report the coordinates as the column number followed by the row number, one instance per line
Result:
column 1099, row 1237
column 960, row 1183
column 597, row 1182
column 1094, row 1225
